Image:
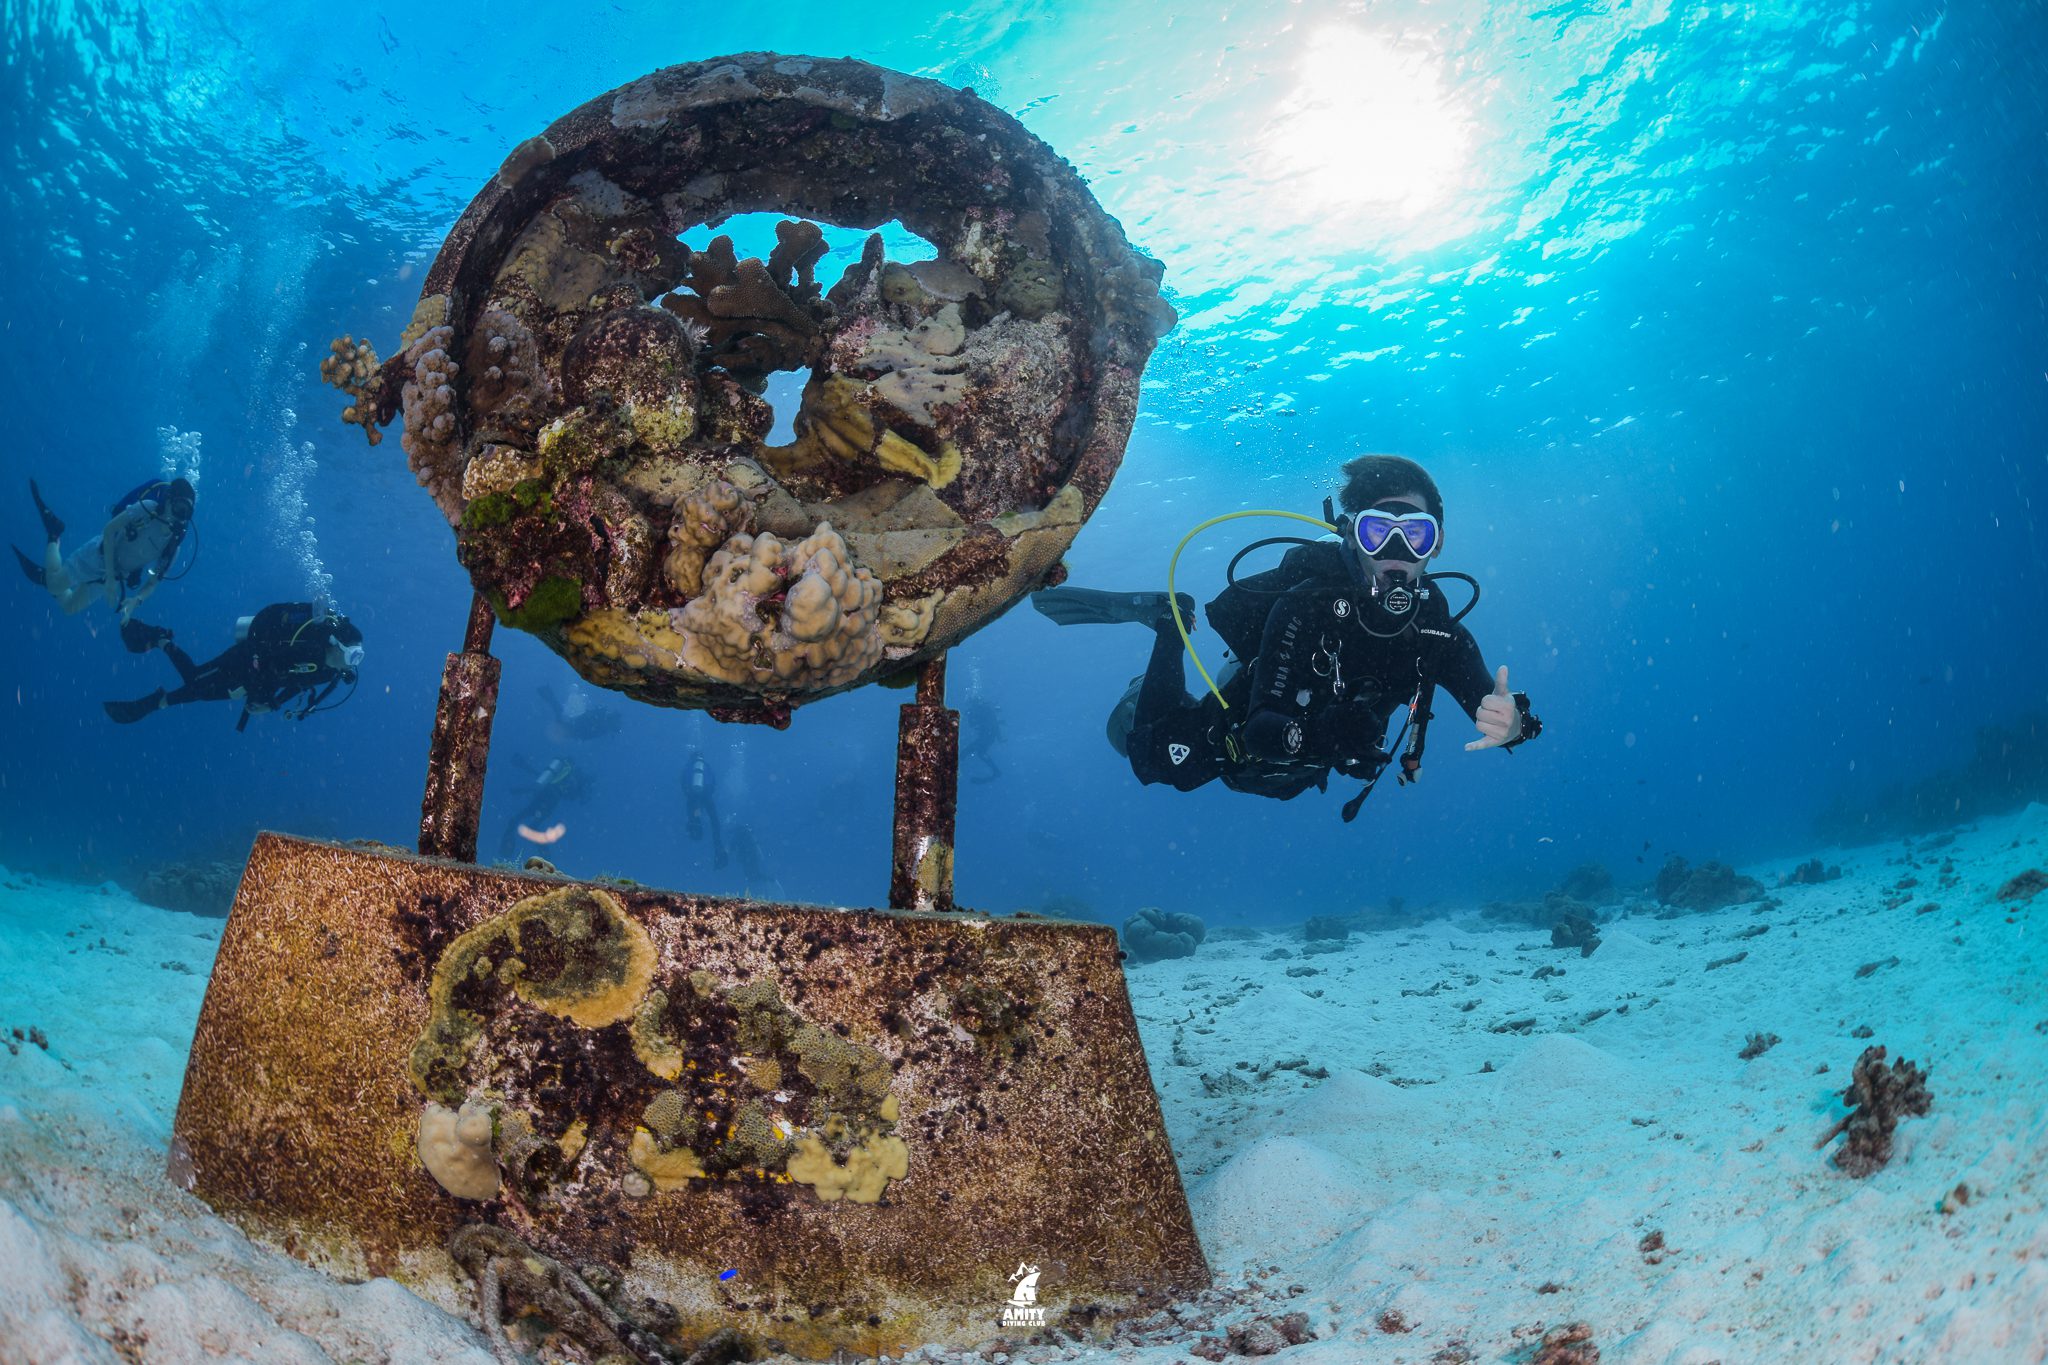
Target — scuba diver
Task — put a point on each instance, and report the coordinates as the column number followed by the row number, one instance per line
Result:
column 981, row 728
column 739, row 837
column 1328, row 646
column 125, row 562
column 700, row 809
column 560, row 781
column 289, row 651
column 575, row 717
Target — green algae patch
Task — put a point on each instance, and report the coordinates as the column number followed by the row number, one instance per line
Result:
column 554, row 599
column 496, row 509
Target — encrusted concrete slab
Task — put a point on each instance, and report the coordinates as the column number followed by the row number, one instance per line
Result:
column 873, row 1118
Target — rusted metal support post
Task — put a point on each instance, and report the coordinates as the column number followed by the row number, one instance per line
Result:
column 454, row 804
column 927, row 785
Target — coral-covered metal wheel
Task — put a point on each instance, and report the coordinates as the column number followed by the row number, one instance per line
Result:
column 581, row 390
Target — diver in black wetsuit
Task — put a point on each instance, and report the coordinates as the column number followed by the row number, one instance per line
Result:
column 746, row 851
column 561, row 782
column 700, row 805
column 1330, row 645
column 577, row 717
column 289, row 651
column 981, row 729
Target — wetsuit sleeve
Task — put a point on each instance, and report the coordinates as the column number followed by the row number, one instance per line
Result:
column 1462, row 672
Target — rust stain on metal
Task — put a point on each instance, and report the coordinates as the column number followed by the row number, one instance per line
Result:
column 979, row 1080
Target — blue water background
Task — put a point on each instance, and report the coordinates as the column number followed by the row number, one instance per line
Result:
column 1721, row 327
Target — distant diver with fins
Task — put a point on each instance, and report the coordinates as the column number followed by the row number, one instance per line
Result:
column 576, row 716
column 746, row 851
column 289, row 652
column 700, row 806
column 981, row 729
column 127, row 560
column 1327, row 647
column 560, row 782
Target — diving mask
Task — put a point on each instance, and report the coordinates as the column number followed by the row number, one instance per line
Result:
column 344, row 657
column 1375, row 529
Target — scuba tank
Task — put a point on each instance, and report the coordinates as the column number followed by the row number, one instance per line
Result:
column 277, row 624
column 301, row 627
column 149, row 488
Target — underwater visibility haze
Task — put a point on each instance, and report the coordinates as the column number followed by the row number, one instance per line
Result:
column 1722, row 330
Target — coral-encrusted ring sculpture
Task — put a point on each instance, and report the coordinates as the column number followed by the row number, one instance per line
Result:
column 581, row 389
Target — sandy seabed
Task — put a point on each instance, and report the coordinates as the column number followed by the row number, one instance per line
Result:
column 1491, row 1155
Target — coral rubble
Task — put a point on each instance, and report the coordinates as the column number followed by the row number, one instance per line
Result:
column 1153, row 935
column 1571, row 1344
column 2024, row 886
column 1810, row 873
column 1591, row 883
column 196, row 888
column 1575, row 929
column 1710, row 886
column 1880, row 1096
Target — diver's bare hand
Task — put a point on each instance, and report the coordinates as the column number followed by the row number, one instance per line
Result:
column 1499, row 720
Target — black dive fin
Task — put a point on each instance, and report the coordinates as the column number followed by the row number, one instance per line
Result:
column 52, row 526
column 140, row 637
column 128, row 712
column 1093, row 606
column 30, row 567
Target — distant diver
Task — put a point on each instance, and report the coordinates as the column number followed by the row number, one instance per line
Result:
column 575, row 717
column 700, row 806
column 288, row 657
column 739, row 838
column 125, row 562
column 1328, row 647
column 559, row 783
column 981, row 729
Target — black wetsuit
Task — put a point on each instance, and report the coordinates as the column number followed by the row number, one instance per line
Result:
column 1316, row 687
column 264, row 671
column 981, row 728
column 550, row 790
column 700, row 806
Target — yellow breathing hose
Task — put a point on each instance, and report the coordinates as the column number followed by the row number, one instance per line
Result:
column 1173, row 601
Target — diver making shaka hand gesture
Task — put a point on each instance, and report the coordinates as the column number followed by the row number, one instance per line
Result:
column 1325, row 649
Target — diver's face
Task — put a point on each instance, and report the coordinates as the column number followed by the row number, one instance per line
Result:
column 1396, row 562
column 341, row 657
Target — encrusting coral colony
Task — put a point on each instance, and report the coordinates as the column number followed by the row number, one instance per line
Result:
column 581, row 390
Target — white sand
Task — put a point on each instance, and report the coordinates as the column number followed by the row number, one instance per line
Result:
column 1482, row 1207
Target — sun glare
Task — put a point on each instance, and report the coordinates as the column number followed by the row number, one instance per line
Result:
column 1369, row 124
